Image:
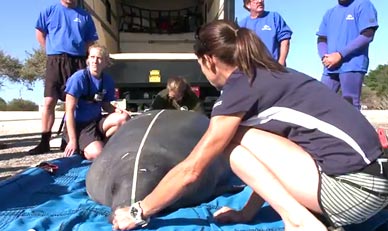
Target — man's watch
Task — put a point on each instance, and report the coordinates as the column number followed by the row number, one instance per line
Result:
column 136, row 213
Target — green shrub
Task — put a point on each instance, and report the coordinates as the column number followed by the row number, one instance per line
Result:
column 22, row 105
column 3, row 104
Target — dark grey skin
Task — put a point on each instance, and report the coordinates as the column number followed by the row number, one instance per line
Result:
column 171, row 138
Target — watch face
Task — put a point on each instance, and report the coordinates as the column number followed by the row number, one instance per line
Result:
column 134, row 212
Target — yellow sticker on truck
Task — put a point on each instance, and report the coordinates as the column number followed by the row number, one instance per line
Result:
column 154, row 76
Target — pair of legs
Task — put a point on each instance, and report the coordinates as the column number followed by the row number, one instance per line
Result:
column 350, row 84
column 92, row 136
column 281, row 172
column 58, row 69
column 286, row 176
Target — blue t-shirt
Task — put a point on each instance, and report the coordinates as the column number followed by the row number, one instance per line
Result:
column 83, row 86
column 67, row 30
column 305, row 111
column 341, row 25
column 271, row 29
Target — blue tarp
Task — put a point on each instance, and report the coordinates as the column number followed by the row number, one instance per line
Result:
column 39, row 200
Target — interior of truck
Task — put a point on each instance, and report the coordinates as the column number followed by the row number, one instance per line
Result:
column 135, row 19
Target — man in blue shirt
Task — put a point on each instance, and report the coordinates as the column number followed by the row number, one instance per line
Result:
column 87, row 92
column 65, row 31
column 270, row 27
column 343, row 43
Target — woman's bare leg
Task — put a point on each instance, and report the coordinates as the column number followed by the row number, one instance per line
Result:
column 282, row 173
column 113, row 122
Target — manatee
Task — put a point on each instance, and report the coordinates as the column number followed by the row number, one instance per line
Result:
column 144, row 149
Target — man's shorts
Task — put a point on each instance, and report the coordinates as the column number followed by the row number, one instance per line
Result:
column 352, row 198
column 58, row 69
column 88, row 133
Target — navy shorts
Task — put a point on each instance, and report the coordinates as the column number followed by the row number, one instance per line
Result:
column 88, row 133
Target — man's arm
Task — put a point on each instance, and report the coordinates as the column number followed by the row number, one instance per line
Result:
column 360, row 41
column 108, row 107
column 41, row 37
column 70, row 106
column 158, row 103
column 179, row 179
column 322, row 46
column 198, row 107
column 283, row 53
column 335, row 58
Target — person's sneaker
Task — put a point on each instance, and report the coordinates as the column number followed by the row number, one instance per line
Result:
column 40, row 149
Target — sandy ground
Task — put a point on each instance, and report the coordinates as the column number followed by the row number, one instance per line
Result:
column 20, row 131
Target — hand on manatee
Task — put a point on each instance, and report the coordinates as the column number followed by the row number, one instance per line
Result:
column 122, row 220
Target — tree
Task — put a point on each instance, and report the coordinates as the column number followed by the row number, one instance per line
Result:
column 33, row 69
column 377, row 80
column 375, row 91
column 35, row 66
column 22, row 105
column 3, row 104
column 9, row 68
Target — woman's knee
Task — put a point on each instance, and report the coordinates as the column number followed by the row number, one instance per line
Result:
column 115, row 120
column 93, row 150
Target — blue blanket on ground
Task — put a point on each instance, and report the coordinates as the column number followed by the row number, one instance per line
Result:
column 39, row 200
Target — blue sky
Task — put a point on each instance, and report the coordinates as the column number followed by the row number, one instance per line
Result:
column 18, row 19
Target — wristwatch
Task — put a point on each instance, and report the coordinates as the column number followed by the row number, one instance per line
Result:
column 136, row 213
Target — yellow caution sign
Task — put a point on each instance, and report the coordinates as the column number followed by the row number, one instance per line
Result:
column 154, row 76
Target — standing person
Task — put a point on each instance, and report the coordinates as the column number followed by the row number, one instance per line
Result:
column 87, row 92
column 177, row 95
column 286, row 135
column 343, row 43
column 65, row 31
column 270, row 27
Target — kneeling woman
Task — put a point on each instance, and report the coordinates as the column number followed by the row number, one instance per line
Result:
column 299, row 146
column 88, row 91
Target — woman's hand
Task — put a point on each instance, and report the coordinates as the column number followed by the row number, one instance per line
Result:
column 228, row 215
column 70, row 149
column 122, row 220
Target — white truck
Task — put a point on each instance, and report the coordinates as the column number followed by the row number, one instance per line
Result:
column 151, row 40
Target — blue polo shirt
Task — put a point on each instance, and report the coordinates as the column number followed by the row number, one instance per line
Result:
column 341, row 25
column 67, row 30
column 82, row 84
column 271, row 29
column 293, row 105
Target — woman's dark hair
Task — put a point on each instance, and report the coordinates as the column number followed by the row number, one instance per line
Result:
column 235, row 46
